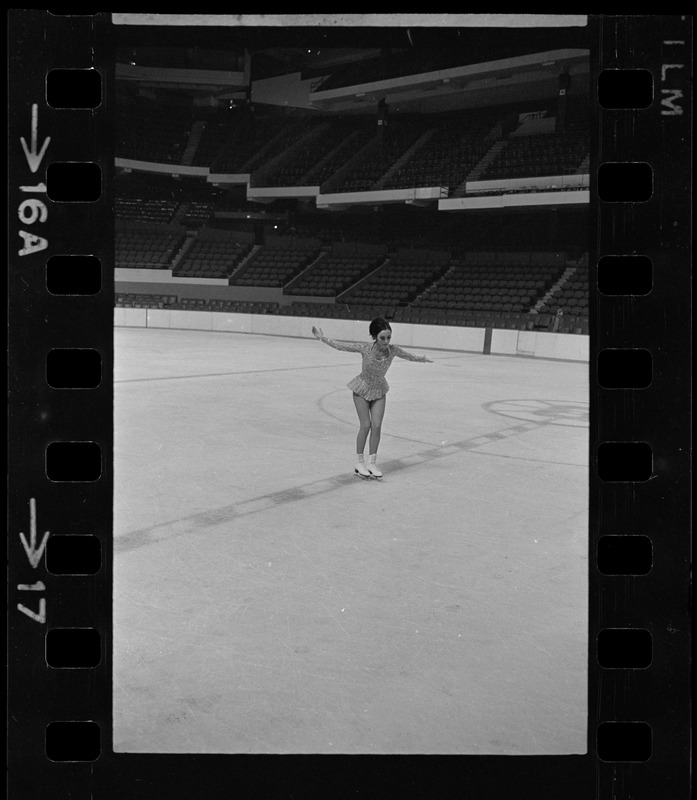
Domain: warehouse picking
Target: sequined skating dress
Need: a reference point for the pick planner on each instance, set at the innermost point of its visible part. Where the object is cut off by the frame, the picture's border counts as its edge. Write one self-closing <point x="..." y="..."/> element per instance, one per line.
<point x="371" y="383"/>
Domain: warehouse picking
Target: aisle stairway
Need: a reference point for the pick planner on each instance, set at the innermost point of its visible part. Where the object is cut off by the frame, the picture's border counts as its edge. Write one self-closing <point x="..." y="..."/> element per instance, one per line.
<point x="555" y="289"/>
<point x="479" y="168"/>
<point x="192" y="144"/>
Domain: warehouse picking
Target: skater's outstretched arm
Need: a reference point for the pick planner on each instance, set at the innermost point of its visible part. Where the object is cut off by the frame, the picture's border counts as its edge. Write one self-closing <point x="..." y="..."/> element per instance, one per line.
<point x="354" y="347"/>
<point x="409" y="356"/>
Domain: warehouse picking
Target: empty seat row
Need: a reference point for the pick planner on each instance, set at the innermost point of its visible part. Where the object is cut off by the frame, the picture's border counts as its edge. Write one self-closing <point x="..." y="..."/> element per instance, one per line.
<point x="511" y="318"/>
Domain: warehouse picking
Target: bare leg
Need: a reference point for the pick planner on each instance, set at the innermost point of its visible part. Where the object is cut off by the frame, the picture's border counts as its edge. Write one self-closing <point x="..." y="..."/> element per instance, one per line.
<point x="363" y="409"/>
<point x="377" y="412"/>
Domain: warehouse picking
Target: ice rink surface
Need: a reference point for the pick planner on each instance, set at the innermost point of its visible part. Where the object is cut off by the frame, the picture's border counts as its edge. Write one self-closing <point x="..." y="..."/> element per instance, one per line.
<point x="266" y="600"/>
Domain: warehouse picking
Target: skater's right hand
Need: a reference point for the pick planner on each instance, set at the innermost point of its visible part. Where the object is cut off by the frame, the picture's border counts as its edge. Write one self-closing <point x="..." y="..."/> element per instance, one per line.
<point x="317" y="332"/>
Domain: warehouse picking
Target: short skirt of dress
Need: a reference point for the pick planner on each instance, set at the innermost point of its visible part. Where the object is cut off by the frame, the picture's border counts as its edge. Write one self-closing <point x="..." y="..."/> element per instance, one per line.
<point x="366" y="391"/>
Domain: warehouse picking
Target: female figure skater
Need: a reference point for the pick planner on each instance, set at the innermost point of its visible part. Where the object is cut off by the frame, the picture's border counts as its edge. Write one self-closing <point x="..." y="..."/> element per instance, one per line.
<point x="370" y="388"/>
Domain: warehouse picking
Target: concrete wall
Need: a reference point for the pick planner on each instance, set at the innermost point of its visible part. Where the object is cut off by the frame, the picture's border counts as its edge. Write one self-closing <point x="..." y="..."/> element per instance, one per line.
<point x="532" y="344"/>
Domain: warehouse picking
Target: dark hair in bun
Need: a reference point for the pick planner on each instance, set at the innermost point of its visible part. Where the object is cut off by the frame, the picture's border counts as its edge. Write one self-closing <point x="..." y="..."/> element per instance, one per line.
<point x="377" y="325"/>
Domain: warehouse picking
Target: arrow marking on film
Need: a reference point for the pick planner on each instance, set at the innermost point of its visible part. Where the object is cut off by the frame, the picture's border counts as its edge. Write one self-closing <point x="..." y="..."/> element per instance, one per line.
<point x="33" y="553"/>
<point x="40" y="617"/>
<point x="34" y="158"/>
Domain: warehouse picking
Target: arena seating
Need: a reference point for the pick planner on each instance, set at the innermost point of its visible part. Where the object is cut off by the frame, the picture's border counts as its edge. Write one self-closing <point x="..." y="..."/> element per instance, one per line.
<point x="402" y="278"/>
<point x="150" y="132"/>
<point x="337" y="270"/>
<point x="496" y="290"/>
<point x="135" y="300"/>
<point x="476" y="283"/>
<point x="231" y="140"/>
<point x="336" y="310"/>
<point x="141" y="209"/>
<point x="340" y="155"/>
<point x="469" y="318"/>
<point x="212" y="256"/>
<point x="360" y="262"/>
<point x="572" y="297"/>
<point x="217" y="133"/>
<point x="446" y="158"/>
<point x="198" y="213"/>
<point x="291" y="171"/>
<point x="276" y="265"/>
<point x="248" y="148"/>
<point x="538" y="155"/>
<point x="394" y="143"/>
<point x="236" y="143"/>
<point x="140" y="248"/>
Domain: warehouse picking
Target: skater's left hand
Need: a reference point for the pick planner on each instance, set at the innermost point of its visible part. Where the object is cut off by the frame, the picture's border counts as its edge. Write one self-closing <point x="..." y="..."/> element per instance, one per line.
<point x="427" y="360"/>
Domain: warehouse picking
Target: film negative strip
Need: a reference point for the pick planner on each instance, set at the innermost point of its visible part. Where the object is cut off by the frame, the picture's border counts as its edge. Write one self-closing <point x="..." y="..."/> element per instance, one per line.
<point x="62" y="295"/>
<point x="638" y="223"/>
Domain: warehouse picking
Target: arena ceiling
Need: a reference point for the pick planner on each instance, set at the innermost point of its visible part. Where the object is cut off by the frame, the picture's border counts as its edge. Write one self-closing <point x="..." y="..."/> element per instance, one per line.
<point x="276" y="51"/>
<point x="317" y="53"/>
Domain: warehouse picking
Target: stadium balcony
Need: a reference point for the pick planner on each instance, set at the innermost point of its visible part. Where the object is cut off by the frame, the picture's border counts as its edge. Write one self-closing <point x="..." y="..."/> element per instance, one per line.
<point x="538" y="155"/>
<point x="134" y="300"/>
<point x="198" y="213"/>
<point x="325" y="168"/>
<point x="394" y="144"/>
<point x="445" y="159"/>
<point x="144" y="210"/>
<point x="217" y="133"/>
<point x="292" y="169"/>
<point x="212" y="257"/>
<point x="147" y="249"/>
<point x="150" y="133"/>
<point x="486" y="314"/>
<point x="572" y="298"/>
<point x="277" y="265"/>
<point x="492" y="282"/>
<point x="403" y="277"/>
<point x="250" y="148"/>
<point x="337" y="271"/>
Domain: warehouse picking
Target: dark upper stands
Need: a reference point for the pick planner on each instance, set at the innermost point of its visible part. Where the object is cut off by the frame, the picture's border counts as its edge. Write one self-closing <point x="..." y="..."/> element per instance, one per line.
<point x="252" y="145"/>
<point x="540" y="154"/>
<point x="402" y="278"/>
<point x="141" y="209"/>
<point x="151" y="248"/>
<point x="388" y="149"/>
<point x="276" y="264"/>
<point x="494" y="282"/>
<point x="335" y="271"/>
<point x="213" y="254"/>
<point x="317" y="159"/>
<point x="445" y="159"/>
<point x="432" y="281"/>
<point x="572" y="296"/>
<point x="151" y="132"/>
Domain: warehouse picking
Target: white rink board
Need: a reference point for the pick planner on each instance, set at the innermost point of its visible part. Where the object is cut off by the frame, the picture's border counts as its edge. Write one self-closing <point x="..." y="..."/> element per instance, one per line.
<point x="504" y="342"/>
<point x="558" y="346"/>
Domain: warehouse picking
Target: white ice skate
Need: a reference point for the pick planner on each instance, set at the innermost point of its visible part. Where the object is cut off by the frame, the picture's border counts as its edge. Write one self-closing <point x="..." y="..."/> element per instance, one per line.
<point x="374" y="471"/>
<point x="360" y="468"/>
